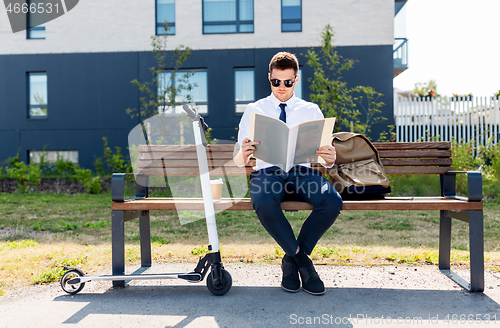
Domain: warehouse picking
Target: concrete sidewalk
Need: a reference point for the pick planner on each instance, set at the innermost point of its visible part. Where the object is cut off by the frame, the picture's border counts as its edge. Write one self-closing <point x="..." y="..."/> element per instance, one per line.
<point x="404" y="296"/>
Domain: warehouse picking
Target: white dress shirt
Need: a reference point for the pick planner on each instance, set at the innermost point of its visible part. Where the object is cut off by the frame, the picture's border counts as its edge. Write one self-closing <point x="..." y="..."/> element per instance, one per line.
<point x="297" y="111"/>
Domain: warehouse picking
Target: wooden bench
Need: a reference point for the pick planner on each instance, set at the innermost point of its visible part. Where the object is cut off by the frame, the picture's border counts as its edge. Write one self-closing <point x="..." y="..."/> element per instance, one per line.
<point x="398" y="158"/>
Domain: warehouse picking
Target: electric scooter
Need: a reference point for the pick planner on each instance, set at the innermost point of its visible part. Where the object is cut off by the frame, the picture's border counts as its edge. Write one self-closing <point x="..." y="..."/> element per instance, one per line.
<point x="219" y="281"/>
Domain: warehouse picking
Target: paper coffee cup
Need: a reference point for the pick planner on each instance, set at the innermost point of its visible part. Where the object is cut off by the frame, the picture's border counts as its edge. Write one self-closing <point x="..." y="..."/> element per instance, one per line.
<point x="216" y="186"/>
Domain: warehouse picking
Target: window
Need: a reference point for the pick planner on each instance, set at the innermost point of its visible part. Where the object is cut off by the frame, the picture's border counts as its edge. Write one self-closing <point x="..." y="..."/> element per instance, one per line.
<point x="37" y="93"/>
<point x="52" y="155"/>
<point x="291" y="15"/>
<point x="244" y="82"/>
<point x="227" y="16"/>
<point x="298" y="85"/>
<point x="198" y="93"/>
<point x="165" y="12"/>
<point x="35" y="22"/>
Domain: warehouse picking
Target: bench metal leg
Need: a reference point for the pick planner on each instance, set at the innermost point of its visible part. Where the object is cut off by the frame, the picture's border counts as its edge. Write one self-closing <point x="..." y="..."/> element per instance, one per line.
<point x="118" y="246"/>
<point x="476" y="245"/>
<point x="444" y="241"/>
<point x="145" y="233"/>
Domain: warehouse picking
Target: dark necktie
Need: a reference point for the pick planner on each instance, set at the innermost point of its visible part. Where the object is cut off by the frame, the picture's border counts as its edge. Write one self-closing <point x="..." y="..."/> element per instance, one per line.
<point x="283" y="113"/>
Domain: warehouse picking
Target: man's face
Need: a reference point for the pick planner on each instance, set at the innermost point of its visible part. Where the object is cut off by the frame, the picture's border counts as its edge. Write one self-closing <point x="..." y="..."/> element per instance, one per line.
<point x="282" y="92"/>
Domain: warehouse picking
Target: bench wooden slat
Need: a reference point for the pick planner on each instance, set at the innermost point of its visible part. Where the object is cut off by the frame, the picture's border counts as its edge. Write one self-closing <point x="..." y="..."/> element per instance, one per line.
<point x="229" y="162"/>
<point x="248" y="169"/>
<point x="388" y="204"/>
<point x="180" y="148"/>
<point x="417" y="170"/>
<point x="194" y="171"/>
<point x="401" y="146"/>
<point x="183" y="163"/>
<point x="416" y="161"/>
<point x="166" y="155"/>
<point x="413" y="153"/>
<point x="412" y="145"/>
<point x="190" y="160"/>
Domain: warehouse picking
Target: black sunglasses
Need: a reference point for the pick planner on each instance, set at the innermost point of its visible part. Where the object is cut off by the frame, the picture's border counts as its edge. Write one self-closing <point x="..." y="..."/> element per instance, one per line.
<point x="276" y="83"/>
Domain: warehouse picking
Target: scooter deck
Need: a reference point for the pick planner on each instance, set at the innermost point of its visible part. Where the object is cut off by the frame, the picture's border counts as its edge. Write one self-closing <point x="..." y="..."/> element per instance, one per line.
<point x="191" y="277"/>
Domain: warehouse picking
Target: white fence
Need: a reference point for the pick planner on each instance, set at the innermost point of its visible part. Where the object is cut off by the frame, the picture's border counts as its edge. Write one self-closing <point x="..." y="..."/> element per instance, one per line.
<point x="474" y="119"/>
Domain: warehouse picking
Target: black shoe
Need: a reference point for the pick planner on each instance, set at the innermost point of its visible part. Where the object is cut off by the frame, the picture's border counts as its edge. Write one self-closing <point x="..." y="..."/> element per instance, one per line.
<point x="290" y="282"/>
<point x="311" y="282"/>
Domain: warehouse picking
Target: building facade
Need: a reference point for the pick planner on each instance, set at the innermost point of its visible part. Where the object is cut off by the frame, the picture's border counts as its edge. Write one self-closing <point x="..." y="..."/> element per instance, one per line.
<point x="66" y="84"/>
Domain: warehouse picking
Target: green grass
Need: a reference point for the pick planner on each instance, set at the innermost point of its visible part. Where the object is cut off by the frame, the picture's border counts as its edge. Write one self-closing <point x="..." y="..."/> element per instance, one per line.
<point x="85" y="219"/>
<point x="48" y="232"/>
<point x="391" y="224"/>
<point x="58" y="216"/>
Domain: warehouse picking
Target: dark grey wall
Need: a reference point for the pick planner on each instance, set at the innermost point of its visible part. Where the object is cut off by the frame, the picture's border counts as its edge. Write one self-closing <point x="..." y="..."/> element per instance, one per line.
<point x="87" y="98"/>
<point x="88" y="94"/>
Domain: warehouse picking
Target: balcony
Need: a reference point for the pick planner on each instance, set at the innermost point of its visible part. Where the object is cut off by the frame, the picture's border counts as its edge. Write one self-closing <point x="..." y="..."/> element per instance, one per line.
<point x="400" y="54"/>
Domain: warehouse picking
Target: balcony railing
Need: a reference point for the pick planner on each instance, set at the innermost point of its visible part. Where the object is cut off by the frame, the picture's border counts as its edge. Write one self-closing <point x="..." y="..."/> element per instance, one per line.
<point x="400" y="54"/>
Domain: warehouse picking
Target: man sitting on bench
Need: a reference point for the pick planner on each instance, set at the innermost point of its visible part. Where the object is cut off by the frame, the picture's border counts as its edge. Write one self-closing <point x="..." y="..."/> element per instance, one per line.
<point x="271" y="185"/>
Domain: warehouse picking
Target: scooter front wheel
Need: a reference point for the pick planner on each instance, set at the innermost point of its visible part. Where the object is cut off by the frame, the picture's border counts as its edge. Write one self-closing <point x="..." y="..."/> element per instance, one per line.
<point x="223" y="286"/>
<point x="72" y="289"/>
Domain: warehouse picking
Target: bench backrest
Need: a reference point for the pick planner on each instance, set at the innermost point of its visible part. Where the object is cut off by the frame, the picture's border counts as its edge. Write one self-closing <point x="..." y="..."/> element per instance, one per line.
<point x="397" y="157"/>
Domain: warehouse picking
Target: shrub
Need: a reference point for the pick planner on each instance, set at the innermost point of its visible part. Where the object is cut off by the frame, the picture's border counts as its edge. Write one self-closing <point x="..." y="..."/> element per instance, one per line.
<point x="65" y="167"/>
<point x="463" y="156"/>
<point x="25" y="175"/>
<point x="49" y="276"/>
<point x="491" y="177"/>
<point x="492" y="156"/>
<point x="83" y="176"/>
<point x="464" y="159"/>
<point x="58" y="271"/>
<point x="99" y="166"/>
<point x="115" y="162"/>
<point x="94" y="186"/>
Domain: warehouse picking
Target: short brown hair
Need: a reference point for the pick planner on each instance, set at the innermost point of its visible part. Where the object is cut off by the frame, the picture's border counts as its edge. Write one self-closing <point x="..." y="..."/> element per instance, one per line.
<point x="283" y="61"/>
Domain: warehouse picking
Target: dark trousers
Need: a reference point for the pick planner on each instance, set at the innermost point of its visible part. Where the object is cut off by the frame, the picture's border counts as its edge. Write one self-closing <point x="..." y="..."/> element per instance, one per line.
<point x="271" y="186"/>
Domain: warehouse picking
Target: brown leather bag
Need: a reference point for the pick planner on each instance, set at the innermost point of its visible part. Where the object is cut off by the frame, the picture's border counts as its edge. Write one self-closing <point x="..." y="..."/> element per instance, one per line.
<point x="358" y="172"/>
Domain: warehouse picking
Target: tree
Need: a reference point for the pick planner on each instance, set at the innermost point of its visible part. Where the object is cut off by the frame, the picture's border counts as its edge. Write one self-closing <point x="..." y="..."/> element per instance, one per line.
<point x="368" y="101"/>
<point x="333" y="95"/>
<point x="329" y="91"/>
<point x="167" y="90"/>
<point x="163" y="94"/>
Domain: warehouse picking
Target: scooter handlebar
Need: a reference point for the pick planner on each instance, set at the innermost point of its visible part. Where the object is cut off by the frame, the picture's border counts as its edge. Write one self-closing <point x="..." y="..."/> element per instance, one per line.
<point x="193" y="114"/>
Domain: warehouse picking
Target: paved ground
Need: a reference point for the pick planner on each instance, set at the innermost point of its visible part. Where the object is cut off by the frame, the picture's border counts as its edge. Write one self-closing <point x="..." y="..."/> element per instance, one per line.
<point x="355" y="297"/>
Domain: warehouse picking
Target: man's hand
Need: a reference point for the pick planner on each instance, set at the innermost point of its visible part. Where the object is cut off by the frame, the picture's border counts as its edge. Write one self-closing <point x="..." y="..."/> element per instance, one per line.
<point x="327" y="153"/>
<point x="247" y="149"/>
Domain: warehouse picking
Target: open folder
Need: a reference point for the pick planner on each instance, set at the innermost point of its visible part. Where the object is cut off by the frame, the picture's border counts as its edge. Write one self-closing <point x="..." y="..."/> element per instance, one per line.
<point x="286" y="146"/>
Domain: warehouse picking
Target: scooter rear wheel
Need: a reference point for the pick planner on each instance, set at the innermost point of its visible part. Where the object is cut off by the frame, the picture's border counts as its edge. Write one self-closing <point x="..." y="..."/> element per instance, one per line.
<point x="72" y="289"/>
<point x="221" y="288"/>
